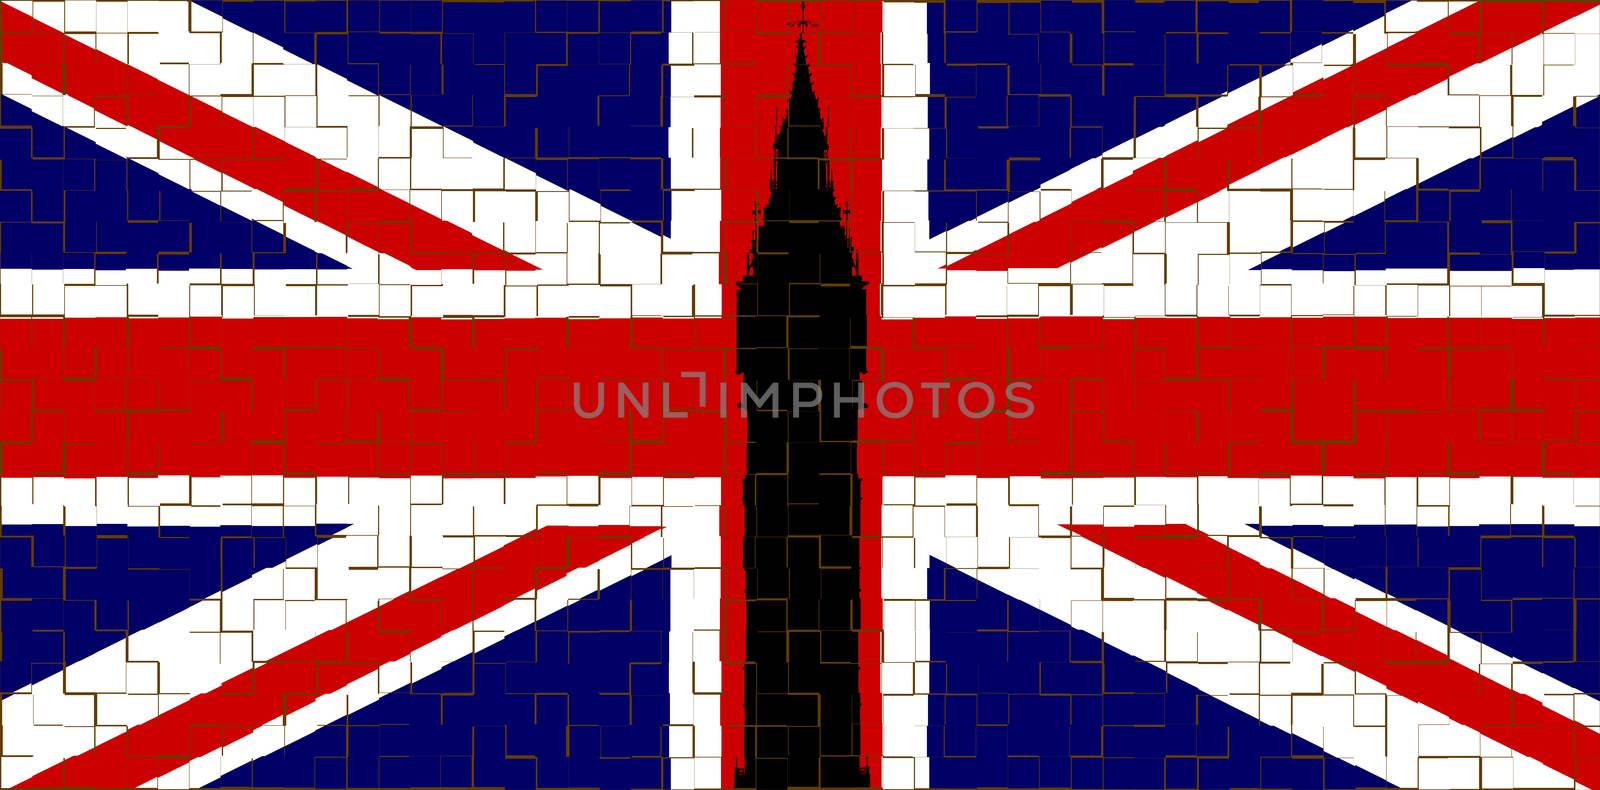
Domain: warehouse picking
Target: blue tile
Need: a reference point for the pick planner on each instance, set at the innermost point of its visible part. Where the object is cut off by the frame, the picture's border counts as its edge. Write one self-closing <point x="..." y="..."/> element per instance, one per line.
<point x="67" y="203"/>
<point x="574" y="90"/>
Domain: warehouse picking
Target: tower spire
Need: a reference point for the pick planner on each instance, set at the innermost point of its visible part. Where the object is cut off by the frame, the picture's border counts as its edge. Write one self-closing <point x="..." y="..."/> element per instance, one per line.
<point x="802" y="176"/>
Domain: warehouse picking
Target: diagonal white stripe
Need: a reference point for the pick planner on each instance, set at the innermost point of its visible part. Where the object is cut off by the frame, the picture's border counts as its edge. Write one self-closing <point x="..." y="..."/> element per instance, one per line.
<point x="404" y="533"/>
<point x="583" y="250"/>
<point x="179" y="168"/>
<point x="1003" y="532"/>
<point x="1373" y="603"/>
<point x="1198" y="262"/>
<point x="694" y="708"/>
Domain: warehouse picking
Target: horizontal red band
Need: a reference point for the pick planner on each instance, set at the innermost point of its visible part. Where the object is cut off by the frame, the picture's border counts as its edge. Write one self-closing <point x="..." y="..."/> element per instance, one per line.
<point x="360" y="397"/>
<point x="491" y="398"/>
<point x="1250" y="397"/>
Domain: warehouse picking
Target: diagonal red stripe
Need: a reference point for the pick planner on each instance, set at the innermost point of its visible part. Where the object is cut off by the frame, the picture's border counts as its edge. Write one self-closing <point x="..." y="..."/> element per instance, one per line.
<point x="1166" y="186"/>
<point x="303" y="182"/>
<point x="1338" y="632"/>
<point x="336" y="658"/>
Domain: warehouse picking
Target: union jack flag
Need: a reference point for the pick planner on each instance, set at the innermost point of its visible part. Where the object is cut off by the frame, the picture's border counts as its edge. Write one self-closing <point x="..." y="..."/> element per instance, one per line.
<point x="297" y="298"/>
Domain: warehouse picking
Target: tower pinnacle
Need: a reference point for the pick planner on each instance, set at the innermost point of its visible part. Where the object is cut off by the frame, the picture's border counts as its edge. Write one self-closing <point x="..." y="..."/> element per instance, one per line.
<point x="802" y="181"/>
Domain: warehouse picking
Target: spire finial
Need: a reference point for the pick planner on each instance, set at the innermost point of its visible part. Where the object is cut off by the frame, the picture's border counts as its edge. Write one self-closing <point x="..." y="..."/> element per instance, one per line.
<point x="803" y="23"/>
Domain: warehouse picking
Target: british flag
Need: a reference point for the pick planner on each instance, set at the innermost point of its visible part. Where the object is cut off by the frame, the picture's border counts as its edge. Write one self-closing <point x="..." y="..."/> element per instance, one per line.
<point x="301" y="302"/>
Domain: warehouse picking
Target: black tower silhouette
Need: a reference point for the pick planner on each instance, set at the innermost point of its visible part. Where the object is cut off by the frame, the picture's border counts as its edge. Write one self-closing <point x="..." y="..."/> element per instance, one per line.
<point x="802" y="319"/>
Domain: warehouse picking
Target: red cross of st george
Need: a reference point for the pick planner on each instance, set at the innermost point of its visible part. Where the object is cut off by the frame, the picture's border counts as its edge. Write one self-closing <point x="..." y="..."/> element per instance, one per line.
<point x="1253" y="397"/>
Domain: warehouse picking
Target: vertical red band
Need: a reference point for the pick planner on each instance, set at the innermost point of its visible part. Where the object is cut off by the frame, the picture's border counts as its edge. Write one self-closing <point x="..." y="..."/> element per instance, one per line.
<point x="757" y="58"/>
